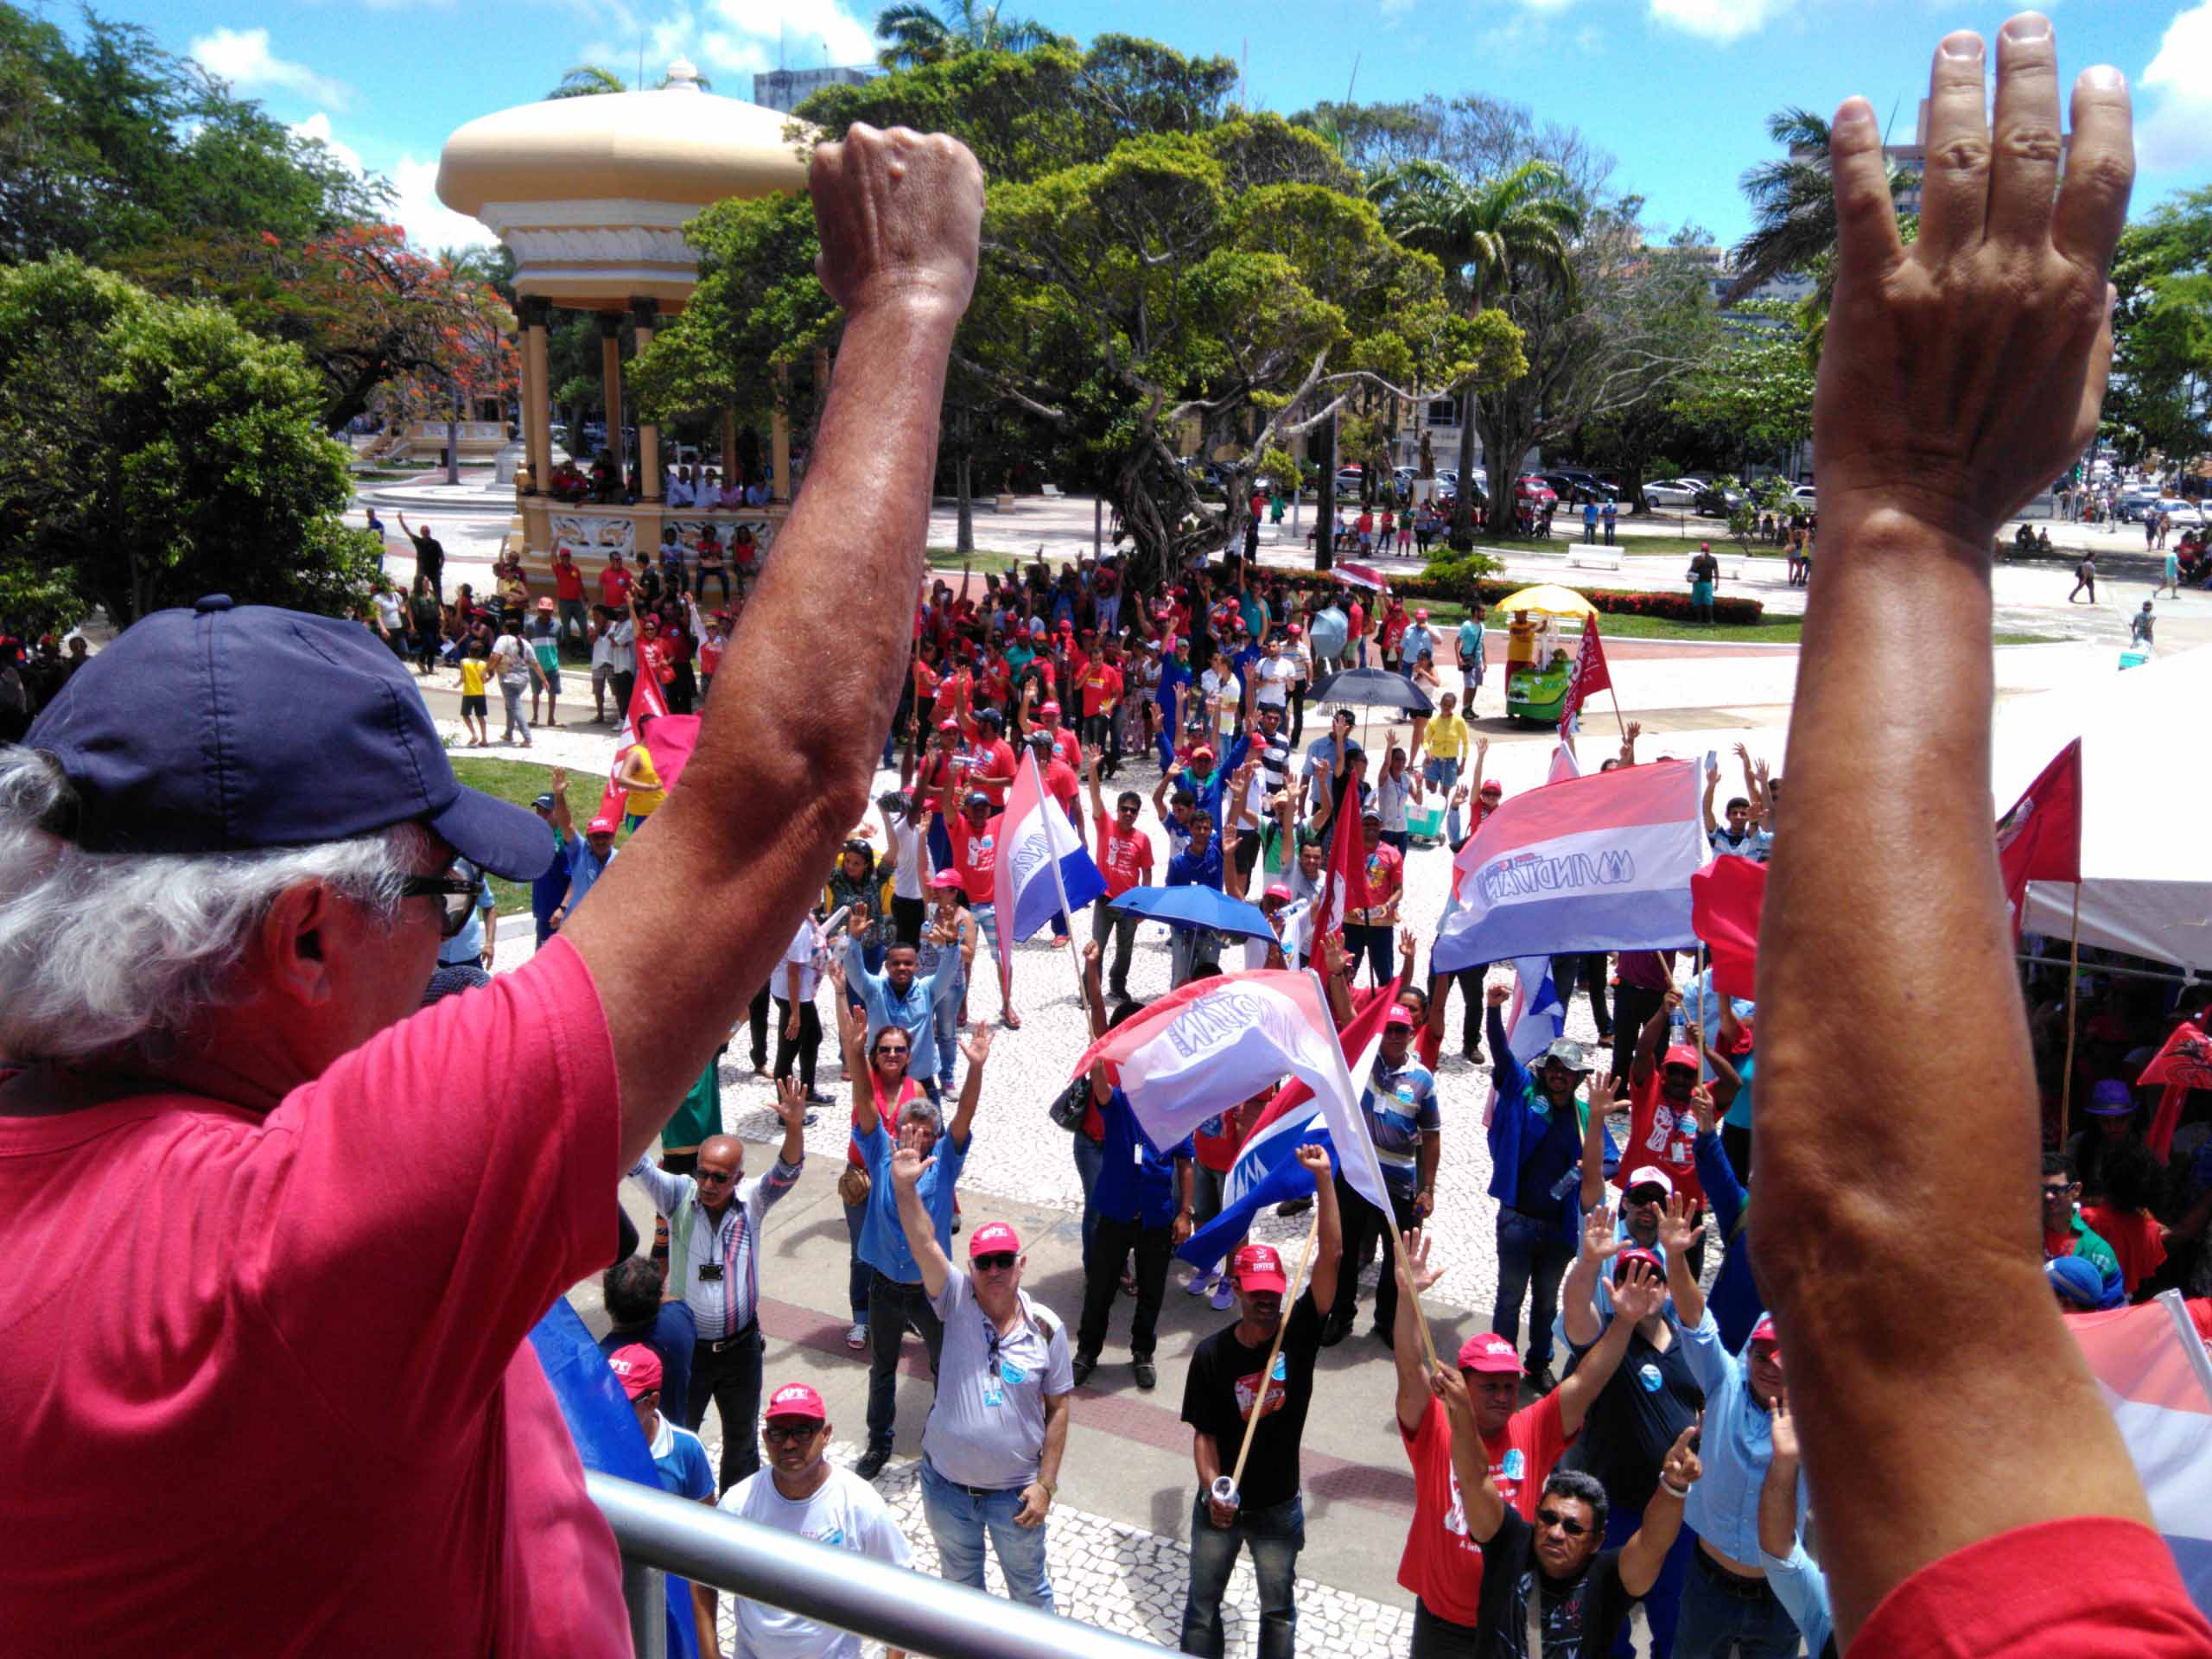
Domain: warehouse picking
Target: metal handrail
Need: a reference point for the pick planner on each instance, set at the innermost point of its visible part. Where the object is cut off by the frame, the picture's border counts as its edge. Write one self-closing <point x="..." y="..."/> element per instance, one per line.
<point x="835" y="1586"/>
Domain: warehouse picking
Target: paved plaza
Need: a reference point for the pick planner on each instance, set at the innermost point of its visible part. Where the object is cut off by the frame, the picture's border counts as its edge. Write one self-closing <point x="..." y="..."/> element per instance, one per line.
<point x="1119" y="1536"/>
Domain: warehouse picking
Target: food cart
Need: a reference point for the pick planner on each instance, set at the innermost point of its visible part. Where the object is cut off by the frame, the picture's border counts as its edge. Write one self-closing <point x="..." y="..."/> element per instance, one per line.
<point x="1541" y="650"/>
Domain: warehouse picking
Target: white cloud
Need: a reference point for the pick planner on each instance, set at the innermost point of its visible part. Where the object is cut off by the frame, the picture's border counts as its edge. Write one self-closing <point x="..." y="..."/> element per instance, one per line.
<point x="1719" y="21"/>
<point x="2175" y="132"/>
<point x="747" y="38"/>
<point x="242" y="57"/>
<point x="317" y="127"/>
<point x="431" y="224"/>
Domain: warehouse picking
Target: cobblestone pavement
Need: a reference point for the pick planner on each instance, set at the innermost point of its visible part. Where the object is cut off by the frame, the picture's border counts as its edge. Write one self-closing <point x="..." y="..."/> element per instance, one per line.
<point x="1130" y="1580"/>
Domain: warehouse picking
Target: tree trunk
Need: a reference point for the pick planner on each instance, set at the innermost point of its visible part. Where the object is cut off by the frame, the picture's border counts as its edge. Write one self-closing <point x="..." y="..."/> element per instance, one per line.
<point x="1463" y="515"/>
<point x="1632" y="487"/>
<point x="1325" y="508"/>
<point x="1504" y="441"/>
<point x="964" y="541"/>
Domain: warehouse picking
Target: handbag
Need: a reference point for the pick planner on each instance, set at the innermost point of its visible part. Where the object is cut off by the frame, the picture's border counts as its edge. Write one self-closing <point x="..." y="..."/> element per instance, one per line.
<point x="1071" y="1105"/>
<point x="853" y="1186"/>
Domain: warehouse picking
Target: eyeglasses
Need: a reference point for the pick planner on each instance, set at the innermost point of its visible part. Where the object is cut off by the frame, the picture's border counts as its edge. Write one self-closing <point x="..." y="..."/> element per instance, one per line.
<point x="996" y="1262"/>
<point x="1646" y="1194"/>
<point x="795" y="1434"/>
<point x="1567" y="1524"/>
<point x="456" y="894"/>
<point x="890" y="1052"/>
<point x="703" y="1175"/>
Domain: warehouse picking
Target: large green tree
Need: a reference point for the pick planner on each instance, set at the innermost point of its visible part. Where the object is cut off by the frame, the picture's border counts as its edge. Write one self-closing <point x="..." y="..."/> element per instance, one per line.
<point x="152" y="450"/>
<point x="113" y="143"/>
<point x="2161" y="392"/>
<point x="1792" y="198"/>
<point x="1755" y="386"/>
<point x="917" y="33"/>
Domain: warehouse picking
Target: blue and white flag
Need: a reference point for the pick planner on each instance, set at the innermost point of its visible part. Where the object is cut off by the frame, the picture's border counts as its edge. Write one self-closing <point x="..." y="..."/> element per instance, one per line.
<point x="1534" y="1020"/>
<point x="1042" y="867"/>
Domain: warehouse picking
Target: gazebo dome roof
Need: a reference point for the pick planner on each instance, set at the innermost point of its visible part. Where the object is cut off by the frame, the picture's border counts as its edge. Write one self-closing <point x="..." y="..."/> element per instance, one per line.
<point x="591" y="194"/>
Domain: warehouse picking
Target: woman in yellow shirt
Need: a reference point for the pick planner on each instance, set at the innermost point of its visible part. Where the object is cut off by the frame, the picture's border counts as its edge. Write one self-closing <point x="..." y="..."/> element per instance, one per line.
<point x="635" y="774"/>
<point x="475" y="671"/>
<point x="1446" y="739"/>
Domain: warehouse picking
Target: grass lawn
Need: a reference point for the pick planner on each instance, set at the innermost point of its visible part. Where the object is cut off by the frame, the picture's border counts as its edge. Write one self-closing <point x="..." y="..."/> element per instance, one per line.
<point x="521" y="781"/>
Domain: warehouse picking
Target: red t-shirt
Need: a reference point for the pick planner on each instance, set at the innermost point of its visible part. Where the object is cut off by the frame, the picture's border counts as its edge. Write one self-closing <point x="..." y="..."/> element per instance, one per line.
<point x="1066" y="745"/>
<point x="615" y="585"/>
<point x="1124" y="859"/>
<point x="991" y="767"/>
<point x="1657" y="1136"/>
<point x="924" y="681"/>
<point x="1441" y="1564"/>
<point x="1386" y="877"/>
<point x="568" y="581"/>
<point x="2134" y="1239"/>
<point x="2016" y="1597"/>
<point x="655" y="656"/>
<point x="1101" y="685"/>
<point x="231" y="1308"/>
<point x="1217" y="1152"/>
<point x="975" y="856"/>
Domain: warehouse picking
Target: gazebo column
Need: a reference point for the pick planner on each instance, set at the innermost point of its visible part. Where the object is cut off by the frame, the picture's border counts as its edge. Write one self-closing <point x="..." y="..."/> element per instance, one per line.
<point x="644" y="312"/>
<point x="779" y="438"/>
<point x="610" y="379"/>
<point x="536" y="417"/>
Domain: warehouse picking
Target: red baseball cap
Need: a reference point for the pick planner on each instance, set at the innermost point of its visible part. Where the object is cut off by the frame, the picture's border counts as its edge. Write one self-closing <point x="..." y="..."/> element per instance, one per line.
<point x="1048" y="708"/>
<point x="1765" y="1331"/>
<point x="1489" y="1355"/>
<point x="945" y="879"/>
<point x="1637" y="1253"/>
<point x="637" y="1367"/>
<point x="602" y="827"/>
<point x="796" y="1400"/>
<point x="1680" y="1054"/>
<point x="948" y="725"/>
<point x="1257" y="1266"/>
<point x="993" y="1235"/>
<point x="1278" y="890"/>
<point x="1398" y="1015"/>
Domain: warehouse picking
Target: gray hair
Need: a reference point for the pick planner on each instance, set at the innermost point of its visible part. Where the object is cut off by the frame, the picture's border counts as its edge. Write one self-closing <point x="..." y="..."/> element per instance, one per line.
<point x="117" y="954"/>
<point x="922" y="1107"/>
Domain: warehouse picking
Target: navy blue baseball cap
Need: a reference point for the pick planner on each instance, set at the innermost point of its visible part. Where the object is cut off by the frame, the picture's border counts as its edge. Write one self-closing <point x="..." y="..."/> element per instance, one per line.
<point x="229" y="728"/>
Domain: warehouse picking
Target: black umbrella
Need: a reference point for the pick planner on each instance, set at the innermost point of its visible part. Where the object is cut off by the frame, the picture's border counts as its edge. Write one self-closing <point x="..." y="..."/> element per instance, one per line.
<point x="1373" y="687"/>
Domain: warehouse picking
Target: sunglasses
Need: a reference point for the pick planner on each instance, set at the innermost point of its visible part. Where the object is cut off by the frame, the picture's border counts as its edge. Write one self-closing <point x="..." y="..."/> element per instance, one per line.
<point x="1646" y="1194"/>
<point x="718" y="1176"/>
<point x="1567" y="1524"/>
<point x="996" y="1262"/>
<point x="456" y="895"/>
<point x="890" y="1052"/>
<point x="796" y="1434"/>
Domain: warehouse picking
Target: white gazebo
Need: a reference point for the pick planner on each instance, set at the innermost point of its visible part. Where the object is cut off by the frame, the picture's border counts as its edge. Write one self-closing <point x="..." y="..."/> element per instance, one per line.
<point x="591" y="195"/>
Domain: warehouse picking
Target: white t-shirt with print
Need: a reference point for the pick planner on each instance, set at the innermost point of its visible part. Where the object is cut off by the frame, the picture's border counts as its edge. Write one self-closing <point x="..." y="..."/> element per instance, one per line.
<point x="846" y="1513"/>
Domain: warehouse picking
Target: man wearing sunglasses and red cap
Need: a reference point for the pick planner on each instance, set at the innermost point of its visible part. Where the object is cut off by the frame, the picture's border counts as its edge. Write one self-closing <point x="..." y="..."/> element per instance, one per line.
<point x="999" y="1426"/>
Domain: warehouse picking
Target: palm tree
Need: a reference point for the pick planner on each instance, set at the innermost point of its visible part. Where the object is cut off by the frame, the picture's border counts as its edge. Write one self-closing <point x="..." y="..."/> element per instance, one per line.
<point x="588" y="80"/>
<point x="919" y="35"/>
<point x="1492" y="236"/>
<point x="1793" y="205"/>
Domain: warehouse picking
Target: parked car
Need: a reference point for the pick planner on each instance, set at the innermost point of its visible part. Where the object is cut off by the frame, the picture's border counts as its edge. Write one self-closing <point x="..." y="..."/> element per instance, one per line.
<point x="1579" y="484"/>
<point x="2186" y="513"/>
<point x="1672" y="492"/>
<point x="1714" y="502"/>
<point x="1804" y="493"/>
<point x="1534" y="489"/>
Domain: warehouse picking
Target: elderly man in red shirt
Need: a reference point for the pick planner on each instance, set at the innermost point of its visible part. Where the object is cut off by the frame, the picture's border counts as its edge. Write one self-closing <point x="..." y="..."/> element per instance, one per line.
<point x="290" y="1233"/>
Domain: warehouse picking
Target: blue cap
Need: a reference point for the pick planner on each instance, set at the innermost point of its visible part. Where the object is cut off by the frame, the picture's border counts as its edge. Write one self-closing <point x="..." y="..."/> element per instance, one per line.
<point x="2076" y="1280"/>
<point x="224" y="728"/>
<point x="2111" y="1098"/>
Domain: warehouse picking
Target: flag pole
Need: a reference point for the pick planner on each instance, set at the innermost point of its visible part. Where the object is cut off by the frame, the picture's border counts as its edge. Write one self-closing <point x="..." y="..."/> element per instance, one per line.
<point x="1046" y="803"/>
<point x="1421" y="1314"/>
<point x="2073" y="979"/>
<point x="1267" y="1371"/>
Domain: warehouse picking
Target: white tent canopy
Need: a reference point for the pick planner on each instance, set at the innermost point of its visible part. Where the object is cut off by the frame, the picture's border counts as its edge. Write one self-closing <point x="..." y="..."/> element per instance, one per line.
<point x="2146" y="800"/>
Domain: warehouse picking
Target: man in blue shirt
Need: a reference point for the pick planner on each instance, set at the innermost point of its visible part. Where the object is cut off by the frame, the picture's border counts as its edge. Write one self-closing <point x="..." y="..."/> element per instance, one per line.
<point x="680" y="1459"/>
<point x="1402" y="1120"/>
<point x="1535" y="1144"/>
<point x="902" y="997"/>
<point x="1143" y="1197"/>
<point x="587" y="854"/>
<point x="546" y="892"/>
<point x="1198" y="865"/>
<point x="1589" y="521"/>
<point x="1725" y="1598"/>
<point x="897" y="1296"/>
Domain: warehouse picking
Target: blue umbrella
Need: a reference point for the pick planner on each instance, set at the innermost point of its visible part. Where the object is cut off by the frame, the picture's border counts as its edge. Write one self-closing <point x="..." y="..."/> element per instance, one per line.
<point x="1196" y="906"/>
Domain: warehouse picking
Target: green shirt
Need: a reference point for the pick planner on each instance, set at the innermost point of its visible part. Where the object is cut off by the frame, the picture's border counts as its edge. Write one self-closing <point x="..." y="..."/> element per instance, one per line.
<point x="701" y="1114"/>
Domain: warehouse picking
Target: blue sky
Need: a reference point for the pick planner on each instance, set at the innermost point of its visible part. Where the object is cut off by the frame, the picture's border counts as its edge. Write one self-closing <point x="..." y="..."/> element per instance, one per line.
<point x="1675" y="89"/>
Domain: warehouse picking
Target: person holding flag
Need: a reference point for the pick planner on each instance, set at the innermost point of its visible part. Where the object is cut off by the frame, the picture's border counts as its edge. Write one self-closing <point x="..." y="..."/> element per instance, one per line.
<point x="1399" y="1102"/>
<point x="1249" y="1387"/>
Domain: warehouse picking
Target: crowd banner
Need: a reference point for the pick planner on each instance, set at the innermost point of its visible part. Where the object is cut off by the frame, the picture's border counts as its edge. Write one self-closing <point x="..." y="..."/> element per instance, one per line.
<point x="1600" y="862"/>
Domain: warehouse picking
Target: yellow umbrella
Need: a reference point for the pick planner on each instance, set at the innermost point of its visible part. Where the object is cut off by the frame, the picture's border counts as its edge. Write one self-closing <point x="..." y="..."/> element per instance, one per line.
<point x="1548" y="596"/>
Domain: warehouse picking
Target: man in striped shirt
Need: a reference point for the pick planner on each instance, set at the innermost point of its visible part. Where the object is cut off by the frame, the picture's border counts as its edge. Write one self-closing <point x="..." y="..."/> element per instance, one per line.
<point x="714" y="1261"/>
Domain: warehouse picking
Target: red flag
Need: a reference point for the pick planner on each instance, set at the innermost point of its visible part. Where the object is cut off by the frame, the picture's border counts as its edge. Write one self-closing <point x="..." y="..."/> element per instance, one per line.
<point x="1344" y="885"/>
<point x="1590" y="675"/>
<point x="647" y="702"/>
<point x="1726" y="898"/>
<point x="2185" y="1063"/>
<point x="2040" y="839"/>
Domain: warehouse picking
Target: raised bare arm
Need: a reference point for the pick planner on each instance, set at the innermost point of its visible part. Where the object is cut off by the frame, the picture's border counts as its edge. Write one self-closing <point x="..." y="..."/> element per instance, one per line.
<point x="1959" y="377"/>
<point x="729" y="860"/>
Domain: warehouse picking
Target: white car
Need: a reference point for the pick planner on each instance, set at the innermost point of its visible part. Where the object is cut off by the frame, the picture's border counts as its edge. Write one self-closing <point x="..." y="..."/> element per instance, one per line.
<point x="1804" y="493"/>
<point x="1672" y="492"/>
<point x="2186" y="513"/>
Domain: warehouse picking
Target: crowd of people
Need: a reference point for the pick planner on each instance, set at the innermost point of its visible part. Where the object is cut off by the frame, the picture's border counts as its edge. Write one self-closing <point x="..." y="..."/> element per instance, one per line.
<point x="286" y="1213"/>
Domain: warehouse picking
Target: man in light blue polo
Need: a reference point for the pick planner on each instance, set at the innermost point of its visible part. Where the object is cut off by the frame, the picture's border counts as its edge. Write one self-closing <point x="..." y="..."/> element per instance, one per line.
<point x="902" y="997"/>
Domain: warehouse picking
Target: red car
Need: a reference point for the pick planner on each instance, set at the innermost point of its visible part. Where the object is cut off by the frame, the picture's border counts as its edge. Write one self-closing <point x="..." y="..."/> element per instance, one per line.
<point x="1532" y="489"/>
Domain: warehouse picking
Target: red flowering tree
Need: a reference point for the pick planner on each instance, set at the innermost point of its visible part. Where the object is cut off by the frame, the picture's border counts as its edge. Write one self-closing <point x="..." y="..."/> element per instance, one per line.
<point x="389" y="330"/>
